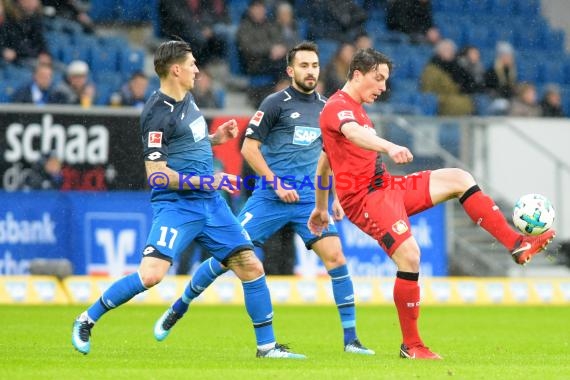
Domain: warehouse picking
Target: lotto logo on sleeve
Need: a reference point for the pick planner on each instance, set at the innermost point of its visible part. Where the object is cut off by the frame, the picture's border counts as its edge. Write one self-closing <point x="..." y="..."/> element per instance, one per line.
<point x="155" y="140"/>
<point x="256" y="119"/>
<point x="345" y="115"/>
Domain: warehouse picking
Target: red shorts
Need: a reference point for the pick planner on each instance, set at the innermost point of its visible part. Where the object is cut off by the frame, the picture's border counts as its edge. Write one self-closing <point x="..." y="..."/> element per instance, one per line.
<point x="384" y="214"/>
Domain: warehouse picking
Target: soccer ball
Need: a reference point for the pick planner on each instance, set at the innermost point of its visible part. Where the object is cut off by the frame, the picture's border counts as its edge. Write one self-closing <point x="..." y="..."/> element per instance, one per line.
<point x="533" y="214"/>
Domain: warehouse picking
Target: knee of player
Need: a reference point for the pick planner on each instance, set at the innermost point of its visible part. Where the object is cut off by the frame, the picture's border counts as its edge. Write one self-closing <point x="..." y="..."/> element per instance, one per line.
<point x="150" y="278"/>
<point x="463" y="180"/>
<point x="333" y="259"/>
<point x="407" y="260"/>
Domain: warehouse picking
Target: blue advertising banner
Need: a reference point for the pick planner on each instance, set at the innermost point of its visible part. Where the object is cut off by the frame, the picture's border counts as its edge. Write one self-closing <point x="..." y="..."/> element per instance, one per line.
<point x="105" y="232"/>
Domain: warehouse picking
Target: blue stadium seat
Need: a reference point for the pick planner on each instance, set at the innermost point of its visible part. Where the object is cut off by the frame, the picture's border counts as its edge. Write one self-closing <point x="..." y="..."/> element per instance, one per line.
<point x="503" y="32"/>
<point x="554" y="41"/>
<point x="237" y="9"/>
<point x="131" y="61"/>
<point x="134" y="10"/>
<point x="502" y="8"/>
<point x="104" y="59"/>
<point x="477" y="7"/>
<point x="103" y="93"/>
<point x="56" y="41"/>
<point x="482" y="103"/>
<point x="154" y="17"/>
<point x="104" y="10"/>
<point x="480" y="36"/>
<point x="374" y="27"/>
<point x="234" y="59"/>
<point x="453" y="31"/>
<point x="75" y="52"/>
<point x="327" y="49"/>
<point x="153" y="84"/>
<point x="450" y="138"/>
<point x="553" y="71"/>
<point x="526" y="38"/>
<point x="8" y="87"/>
<point x="527" y="8"/>
<point x="450" y="6"/>
<point x="528" y="71"/>
<point x="112" y="78"/>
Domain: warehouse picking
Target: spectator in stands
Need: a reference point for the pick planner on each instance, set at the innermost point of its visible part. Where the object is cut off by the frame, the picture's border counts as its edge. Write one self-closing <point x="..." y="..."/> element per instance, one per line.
<point x="525" y="103"/>
<point x="363" y="41"/>
<point x="444" y="77"/>
<point x="45" y="174"/>
<point x="73" y="10"/>
<point x="336" y="71"/>
<point x="261" y="50"/>
<point x="341" y="20"/>
<point x="470" y="60"/>
<point x="413" y="17"/>
<point x="287" y="25"/>
<point x="204" y="91"/>
<point x="22" y="33"/>
<point x="193" y="21"/>
<point x="76" y="88"/>
<point x="133" y="93"/>
<point x="501" y="79"/>
<point x="39" y="91"/>
<point x="551" y="103"/>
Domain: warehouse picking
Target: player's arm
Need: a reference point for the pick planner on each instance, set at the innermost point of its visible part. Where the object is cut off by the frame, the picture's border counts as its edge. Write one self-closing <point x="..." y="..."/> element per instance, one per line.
<point x="319" y="219"/>
<point x="251" y="151"/>
<point x="224" y="132"/>
<point x="363" y="138"/>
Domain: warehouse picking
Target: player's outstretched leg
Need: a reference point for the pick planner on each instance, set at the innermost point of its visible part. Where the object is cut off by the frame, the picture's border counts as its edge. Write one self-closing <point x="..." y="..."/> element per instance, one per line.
<point x="117" y="294"/>
<point x="330" y="251"/>
<point x="343" y="291"/>
<point x="483" y="211"/>
<point x="205" y="275"/>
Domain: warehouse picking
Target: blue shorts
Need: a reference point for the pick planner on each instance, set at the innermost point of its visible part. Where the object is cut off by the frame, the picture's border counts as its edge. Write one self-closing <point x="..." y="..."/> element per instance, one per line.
<point x="210" y="222"/>
<point x="263" y="217"/>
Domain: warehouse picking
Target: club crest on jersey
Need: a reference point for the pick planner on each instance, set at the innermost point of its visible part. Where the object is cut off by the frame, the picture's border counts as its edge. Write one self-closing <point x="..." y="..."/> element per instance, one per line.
<point x="256" y="119"/>
<point x="305" y="135"/>
<point x="400" y="227"/>
<point x="345" y="115"/>
<point x="155" y="140"/>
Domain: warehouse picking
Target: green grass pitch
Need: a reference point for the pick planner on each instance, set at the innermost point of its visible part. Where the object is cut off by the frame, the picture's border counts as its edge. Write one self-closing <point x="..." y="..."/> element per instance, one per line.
<point x="217" y="342"/>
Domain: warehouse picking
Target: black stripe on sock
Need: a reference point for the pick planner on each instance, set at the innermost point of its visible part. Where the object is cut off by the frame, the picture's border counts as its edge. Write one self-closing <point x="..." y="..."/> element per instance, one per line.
<point x="103" y="304"/>
<point x="472" y="190"/>
<point x="263" y="324"/>
<point x="408" y="276"/>
<point x="346" y="305"/>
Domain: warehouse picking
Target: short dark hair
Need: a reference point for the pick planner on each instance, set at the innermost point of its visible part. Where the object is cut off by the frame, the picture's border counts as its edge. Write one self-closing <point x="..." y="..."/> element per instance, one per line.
<point x="169" y="53"/>
<point x="366" y="60"/>
<point x="303" y="46"/>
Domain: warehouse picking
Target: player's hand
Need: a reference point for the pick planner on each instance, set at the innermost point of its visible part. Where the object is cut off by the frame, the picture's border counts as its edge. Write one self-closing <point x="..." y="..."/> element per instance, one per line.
<point x="287" y="195"/>
<point x="337" y="211"/>
<point x="400" y="154"/>
<point x="226" y="182"/>
<point x="318" y="221"/>
<point x="225" y="132"/>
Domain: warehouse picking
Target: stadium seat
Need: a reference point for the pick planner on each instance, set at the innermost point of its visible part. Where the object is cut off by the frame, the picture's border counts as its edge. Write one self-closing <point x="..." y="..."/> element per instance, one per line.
<point x="503" y="8"/>
<point x="450" y="6"/>
<point x="450" y="138"/>
<point x="104" y="10"/>
<point x="453" y="31"/>
<point x="480" y="36"/>
<point x="554" y="41"/>
<point x="134" y="10"/>
<point x="112" y="78"/>
<point x="427" y="103"/>
<point x="553" y="71"/>
<point x="8" y="87"/>
<point x="56" y="41"/>
<point x="477" y="7"/>
<point x="131" y="61"/>
<point x="482" y="103"/>
<point x="527" y="8"/>
<point x="237" y="9"/>
<point x="104" y="59"/>
<point x="327" y="49"/>
<point x="528" y="71"/>
<point x="103" y="93"/>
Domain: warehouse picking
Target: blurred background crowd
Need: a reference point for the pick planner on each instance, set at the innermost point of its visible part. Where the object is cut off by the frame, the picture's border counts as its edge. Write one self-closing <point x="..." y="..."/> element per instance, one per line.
<point x="473" y="57"/>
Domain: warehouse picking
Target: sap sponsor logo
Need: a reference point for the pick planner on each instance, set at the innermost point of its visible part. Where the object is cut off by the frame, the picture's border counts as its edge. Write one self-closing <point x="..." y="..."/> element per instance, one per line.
<point x="467" y="291"/>
<point x="280" y="291"/>
<point x="76" y="144"/>
<point x="305" y="135"/>
<point x="11" y="266"/>
<point x="496" y="292"/>
<point x="519" y="290"/>
<point x="155" y="140"/>
<point x="27" y="231"/>
<point x="307" y="290"/>
<point x="17" y="290"/>
<point x="545" y="291"/>
<point x="80" y="290"/>
<point x="441" y="291"/>
<point x="256" y="118"/>
<point x="45" y="290"/>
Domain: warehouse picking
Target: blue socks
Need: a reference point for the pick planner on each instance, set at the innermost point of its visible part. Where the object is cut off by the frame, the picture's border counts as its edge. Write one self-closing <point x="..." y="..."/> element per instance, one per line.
<point x="118" y="293"/>
<point x="343" y="292"/>
<point x="206" y="273"/>
<point x="259" y="308"/>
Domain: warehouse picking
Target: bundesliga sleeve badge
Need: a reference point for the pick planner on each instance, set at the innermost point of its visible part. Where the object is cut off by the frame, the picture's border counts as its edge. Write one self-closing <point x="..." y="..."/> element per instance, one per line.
<point x="256" y="119"/>
<point x="155" y="140"/>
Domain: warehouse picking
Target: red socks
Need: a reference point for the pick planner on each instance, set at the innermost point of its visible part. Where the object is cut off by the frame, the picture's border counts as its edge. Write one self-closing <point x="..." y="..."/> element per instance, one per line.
<point x="483" y="211"/>
<point x="407" y="300"/>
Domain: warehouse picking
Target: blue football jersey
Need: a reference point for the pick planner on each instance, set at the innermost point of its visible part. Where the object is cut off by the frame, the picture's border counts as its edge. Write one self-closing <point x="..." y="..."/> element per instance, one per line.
<point x="287" y="125"/>
<point x="176" y="132"/>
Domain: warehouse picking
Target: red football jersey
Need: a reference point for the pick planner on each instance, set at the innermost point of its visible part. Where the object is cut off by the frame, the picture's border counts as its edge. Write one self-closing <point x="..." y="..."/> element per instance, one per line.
<point x="357" y="171"/>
